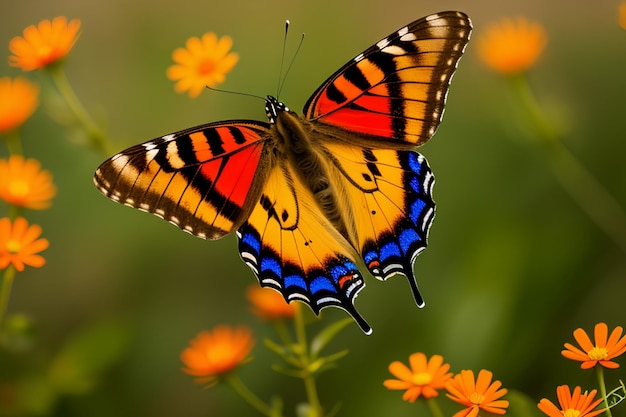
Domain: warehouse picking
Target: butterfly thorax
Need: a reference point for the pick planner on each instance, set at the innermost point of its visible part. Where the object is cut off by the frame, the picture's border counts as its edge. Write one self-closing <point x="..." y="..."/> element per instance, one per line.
<point x="301" y="153"/>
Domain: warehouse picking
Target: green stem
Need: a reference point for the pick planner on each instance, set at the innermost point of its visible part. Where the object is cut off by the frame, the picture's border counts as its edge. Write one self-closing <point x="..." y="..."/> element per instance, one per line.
<point x="244" y="392"/>
<point x="14" y="143"/>
<point x="307" y="376"/>
<point x="96" y="136"/>
<point x="595" y="200"/>
<point x="5" y="291"/>
<point x="312" y="395"/>
<point x="280" y="326"/>
<point x="434" y="407"/>
<point x="602" y="386"/>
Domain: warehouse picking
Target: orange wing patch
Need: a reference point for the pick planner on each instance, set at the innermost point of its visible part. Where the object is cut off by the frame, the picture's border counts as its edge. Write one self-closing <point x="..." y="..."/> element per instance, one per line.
<point x="198" y="180"/>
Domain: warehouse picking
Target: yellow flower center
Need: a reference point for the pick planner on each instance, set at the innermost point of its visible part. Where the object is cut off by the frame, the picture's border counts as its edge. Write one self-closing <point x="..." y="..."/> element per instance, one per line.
<point x="570" y="412"/>
<point x="44" y="51"/>
<point x="19" y="189"/>
<point x="13" y="246"/>
<point x="206" y="67"/>
<point x="422" y="378"/>
<point x="477" y="398"/>
<point x="598" y="353"/>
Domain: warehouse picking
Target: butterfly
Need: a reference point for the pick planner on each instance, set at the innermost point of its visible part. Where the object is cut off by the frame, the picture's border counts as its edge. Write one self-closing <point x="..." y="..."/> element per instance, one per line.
<point x="316" y="199"/>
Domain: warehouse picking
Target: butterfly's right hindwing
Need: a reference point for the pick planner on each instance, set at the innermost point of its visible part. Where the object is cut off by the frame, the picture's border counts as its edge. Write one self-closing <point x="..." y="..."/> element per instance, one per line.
<point x="200" y="179"/>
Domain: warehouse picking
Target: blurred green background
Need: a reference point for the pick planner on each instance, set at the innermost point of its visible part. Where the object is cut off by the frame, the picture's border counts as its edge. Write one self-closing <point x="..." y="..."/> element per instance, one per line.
<point x="513" y="264"/>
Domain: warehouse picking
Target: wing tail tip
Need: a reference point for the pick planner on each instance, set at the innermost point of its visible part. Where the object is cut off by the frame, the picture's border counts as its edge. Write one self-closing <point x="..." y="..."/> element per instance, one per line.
<point x="360" y="321"/>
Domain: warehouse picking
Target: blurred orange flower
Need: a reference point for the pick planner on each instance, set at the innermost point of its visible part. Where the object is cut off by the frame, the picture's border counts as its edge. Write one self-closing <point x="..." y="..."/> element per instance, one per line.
<point x="269" y="304"/>
<point x="575" y="405"/>
<point x="204" y="62"/>
<point x="215" y="353"/>
<point x="20" y="243"/>
<point x="18" y="101"/>
<point x="512" y="46"/>
<point x="476" y="395"/>
<point x="602" y="351"/>
<point x="621" y="15"/>
<point x="24" y="184"/>
<point x="424" y="378"/>
<point x="44" y="44"/>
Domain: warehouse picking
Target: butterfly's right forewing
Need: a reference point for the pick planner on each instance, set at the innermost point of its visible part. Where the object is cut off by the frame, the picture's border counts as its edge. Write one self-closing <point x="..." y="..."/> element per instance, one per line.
<point x="396" y="89"/>
<point x="202" y="180"/>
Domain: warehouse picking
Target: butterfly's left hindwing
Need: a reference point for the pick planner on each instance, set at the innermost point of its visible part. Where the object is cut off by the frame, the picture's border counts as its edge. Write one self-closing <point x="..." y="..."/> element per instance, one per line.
<point x="199" y="180"/>
<point x="292" y="247"/>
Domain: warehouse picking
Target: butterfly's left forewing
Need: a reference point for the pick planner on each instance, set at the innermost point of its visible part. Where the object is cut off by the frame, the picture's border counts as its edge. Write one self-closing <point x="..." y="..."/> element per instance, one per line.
<point x="201" y="179"/>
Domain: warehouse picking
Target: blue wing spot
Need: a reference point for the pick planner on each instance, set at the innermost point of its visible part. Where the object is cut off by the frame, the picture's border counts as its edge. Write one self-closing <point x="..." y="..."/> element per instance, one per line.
<point x="389" y="250"/>
<point x="414" y="163"/>
<point x="272" y="265"/>
<point x="370" y="256"/>
<point x="295" y="281"/>
<point x="417" y="210"/>
<point x="415" y="184"/>
<point x="407" y="238"/>
<point x="322" y="283"/>
<point x="252" y="241"/>
<point x="339" y="271"/>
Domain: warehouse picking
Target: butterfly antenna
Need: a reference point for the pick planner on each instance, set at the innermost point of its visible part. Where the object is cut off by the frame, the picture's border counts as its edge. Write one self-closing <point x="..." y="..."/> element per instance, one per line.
<point x="282" y="78"/>
<point x="239" y="93"/>
<point x="282" y="58"/>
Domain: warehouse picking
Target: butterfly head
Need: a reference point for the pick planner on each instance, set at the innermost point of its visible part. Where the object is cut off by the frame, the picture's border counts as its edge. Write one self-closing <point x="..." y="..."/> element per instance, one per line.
<point x="273" y="107"/>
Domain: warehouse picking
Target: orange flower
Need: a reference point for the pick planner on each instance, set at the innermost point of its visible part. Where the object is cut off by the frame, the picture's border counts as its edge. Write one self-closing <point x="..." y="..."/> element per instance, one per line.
<point x="18" y="100"/>
<point x="269" y="304"/>
<point x="23" y="183"/>
<point x="601" y="352"/>
<point x="424" y="377"/>
<point x="45" y="44"/>
<point x="204" y="62"/>
<point x="212" y="354"/>
<point x="621" y="15"/>
<point x="477" y="395"/>
<point x="20" y="243"/>
<point x="512" y="46"/>
<point x="572" y="405"/>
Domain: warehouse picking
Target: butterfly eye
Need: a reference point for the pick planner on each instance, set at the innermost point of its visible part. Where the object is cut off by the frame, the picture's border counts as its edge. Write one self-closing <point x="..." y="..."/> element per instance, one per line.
<point x="273" y="107"/>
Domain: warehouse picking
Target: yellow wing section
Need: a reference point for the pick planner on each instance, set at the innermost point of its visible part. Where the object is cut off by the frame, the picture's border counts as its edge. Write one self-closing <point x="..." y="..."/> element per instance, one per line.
<point x="292" y="247"/>
<point x="390" y="193"/>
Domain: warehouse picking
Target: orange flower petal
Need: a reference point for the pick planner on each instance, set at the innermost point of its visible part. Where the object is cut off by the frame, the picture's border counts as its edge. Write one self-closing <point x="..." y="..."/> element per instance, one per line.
<point x="422" y="378"/>
<point x="601" y="352"/>
<point x="512" y="45"/>
<point x="20" y="244"/>
<point x="44" y="44"/>
<point x="269" y="304"/>
<point x="212" y="354"/>
<point x="477" y="394"/>
<point x="24" y="184"/>
<point x="18" y="101"/>
<point x="571" y="403"/>
<point x="203" y="62"/>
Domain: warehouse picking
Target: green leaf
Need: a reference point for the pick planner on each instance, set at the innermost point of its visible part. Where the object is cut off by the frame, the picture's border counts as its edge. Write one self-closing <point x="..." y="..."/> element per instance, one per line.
<point x="521" y="405"/>
<point x="87" y="354"/>
<point x="326" y="335"/>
